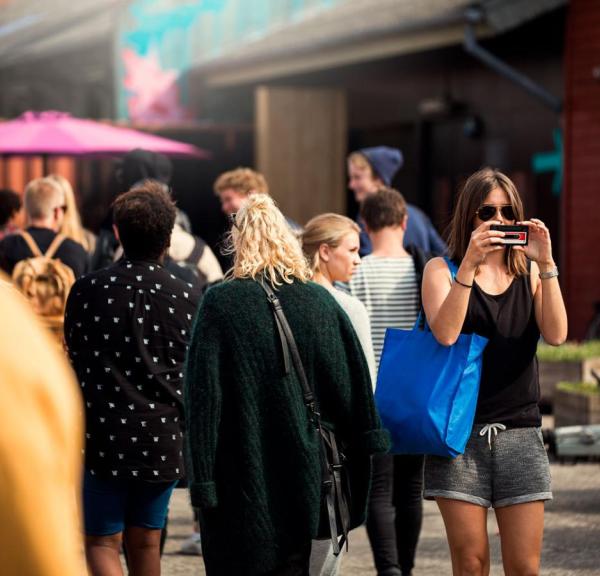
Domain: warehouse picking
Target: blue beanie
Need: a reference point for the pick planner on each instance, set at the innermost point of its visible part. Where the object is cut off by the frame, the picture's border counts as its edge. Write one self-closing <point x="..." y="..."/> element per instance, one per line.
<point x="384" y="160"/>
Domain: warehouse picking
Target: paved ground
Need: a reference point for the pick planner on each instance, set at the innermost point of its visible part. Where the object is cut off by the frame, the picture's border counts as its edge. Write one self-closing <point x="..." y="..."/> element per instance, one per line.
<point x="571" y="544"/>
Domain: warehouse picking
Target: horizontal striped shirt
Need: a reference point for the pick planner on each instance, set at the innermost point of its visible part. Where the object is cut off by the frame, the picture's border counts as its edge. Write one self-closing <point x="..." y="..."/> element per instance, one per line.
<point x="389" y="290"/>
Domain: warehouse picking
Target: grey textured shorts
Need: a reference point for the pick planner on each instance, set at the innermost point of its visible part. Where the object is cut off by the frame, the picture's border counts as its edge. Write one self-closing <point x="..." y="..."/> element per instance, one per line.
<point x="499" y="468"/>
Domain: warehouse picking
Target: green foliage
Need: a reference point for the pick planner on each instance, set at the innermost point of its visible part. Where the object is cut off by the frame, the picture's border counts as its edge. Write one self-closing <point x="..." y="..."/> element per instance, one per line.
<point x="590" y="388"/>
<point x="569" y="352"/>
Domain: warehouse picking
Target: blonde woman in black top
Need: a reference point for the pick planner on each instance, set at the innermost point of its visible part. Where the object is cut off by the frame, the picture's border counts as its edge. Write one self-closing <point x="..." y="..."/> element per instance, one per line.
<point x="511" y="296"/>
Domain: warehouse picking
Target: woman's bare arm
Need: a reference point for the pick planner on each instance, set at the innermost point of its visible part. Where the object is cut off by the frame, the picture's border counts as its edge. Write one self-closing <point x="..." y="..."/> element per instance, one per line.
<point x="445" y="302"/>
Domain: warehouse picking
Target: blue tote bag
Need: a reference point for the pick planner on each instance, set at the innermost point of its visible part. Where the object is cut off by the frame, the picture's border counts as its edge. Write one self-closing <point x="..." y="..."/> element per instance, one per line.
<point x="427" y="393"/>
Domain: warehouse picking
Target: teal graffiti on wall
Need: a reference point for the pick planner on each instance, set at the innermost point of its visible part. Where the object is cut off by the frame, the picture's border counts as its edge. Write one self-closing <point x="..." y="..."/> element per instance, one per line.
<point x="152" y="55"/>
<point x="159" y="41"/>
<point x="552" y="162"/>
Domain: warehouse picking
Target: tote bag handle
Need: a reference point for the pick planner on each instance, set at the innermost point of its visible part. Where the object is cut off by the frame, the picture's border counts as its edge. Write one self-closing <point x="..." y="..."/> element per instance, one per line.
<point x="421" y="321"/>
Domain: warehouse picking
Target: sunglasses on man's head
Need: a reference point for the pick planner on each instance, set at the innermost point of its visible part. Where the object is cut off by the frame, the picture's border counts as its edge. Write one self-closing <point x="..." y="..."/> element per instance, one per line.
<point x="488" y="211"/>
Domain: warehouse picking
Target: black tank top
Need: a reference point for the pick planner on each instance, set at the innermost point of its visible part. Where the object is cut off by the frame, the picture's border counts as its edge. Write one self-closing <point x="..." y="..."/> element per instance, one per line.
<point x="509" y="390"/>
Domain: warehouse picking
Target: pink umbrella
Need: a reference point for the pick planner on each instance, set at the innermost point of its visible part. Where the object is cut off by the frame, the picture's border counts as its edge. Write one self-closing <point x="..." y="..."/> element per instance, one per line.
<point x="58" y="133"/>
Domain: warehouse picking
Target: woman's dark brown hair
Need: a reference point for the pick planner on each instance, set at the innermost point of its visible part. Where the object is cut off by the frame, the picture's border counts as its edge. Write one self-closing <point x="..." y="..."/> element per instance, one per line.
<point x="473" y="195"/>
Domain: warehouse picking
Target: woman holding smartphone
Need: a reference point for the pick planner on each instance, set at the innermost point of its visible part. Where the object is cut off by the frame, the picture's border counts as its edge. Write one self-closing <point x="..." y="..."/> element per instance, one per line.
<point x="510" y="295"/>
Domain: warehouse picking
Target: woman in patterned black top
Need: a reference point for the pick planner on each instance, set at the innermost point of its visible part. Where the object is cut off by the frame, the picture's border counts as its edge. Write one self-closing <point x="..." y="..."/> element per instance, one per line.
<point x="127" y="328"/>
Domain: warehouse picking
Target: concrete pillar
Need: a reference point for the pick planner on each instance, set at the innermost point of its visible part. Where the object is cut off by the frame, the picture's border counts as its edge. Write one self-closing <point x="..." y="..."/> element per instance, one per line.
<point x="301" y="147"/>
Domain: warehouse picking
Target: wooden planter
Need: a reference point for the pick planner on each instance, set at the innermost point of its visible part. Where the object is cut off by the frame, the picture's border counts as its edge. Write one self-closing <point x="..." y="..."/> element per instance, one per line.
<point x="575" y="408"/>
<point x="551" y="373"/>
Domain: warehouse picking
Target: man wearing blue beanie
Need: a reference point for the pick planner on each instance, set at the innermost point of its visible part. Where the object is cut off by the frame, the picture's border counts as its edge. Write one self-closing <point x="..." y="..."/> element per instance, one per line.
<point x="371" y="168"/>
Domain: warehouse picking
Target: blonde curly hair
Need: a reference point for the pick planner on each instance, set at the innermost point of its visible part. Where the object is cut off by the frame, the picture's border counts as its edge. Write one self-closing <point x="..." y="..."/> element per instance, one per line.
<point x="264" y="245"/>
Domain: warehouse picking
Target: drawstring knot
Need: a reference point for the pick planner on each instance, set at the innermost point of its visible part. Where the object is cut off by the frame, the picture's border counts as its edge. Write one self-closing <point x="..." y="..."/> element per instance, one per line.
<point x="489" y="428"/>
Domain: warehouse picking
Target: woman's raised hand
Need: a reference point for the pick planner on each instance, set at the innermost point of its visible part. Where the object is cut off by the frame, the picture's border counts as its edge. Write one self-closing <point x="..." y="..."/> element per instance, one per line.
<point x="483" y="242"/>
<point x="539" y="247"/>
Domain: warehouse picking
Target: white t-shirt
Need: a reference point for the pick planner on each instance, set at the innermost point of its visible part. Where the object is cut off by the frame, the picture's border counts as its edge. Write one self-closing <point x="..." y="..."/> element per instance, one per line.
<point x="359" y="317"/>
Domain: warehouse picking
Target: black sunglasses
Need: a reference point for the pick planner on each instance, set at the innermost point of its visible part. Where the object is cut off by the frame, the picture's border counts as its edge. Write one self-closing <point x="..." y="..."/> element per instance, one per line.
<point x="488" y="211"/>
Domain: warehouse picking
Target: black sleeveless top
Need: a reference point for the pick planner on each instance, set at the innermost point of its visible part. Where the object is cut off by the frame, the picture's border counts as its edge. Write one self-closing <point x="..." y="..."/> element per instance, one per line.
<point x="509" y="390"/>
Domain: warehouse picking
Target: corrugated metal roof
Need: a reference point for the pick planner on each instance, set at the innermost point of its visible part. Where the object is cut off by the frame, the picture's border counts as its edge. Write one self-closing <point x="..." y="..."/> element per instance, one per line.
<point x="345" y="23"/>
<point x="361" y="30"/>
<point x="30" y="29"/>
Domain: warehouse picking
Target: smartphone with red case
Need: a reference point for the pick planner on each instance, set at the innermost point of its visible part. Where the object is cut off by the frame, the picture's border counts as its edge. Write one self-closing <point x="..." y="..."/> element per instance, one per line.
<point x="516" y="235"/>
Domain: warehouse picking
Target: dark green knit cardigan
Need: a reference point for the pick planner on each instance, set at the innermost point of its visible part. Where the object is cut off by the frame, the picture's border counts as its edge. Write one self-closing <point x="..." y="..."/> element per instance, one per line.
<point x="253" y="456"/>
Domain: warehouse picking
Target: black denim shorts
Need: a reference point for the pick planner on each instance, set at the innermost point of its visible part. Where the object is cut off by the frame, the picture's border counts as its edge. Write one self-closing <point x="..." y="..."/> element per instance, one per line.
<point x="500" y="467"/>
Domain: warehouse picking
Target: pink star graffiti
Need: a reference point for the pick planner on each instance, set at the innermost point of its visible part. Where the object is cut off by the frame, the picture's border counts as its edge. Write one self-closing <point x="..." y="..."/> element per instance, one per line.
<point x="154" y="91"/>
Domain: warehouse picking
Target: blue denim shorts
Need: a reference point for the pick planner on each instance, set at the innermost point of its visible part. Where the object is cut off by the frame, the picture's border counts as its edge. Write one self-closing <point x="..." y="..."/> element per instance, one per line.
<point x="499" y="468"/>
<point x="111" y="504"/>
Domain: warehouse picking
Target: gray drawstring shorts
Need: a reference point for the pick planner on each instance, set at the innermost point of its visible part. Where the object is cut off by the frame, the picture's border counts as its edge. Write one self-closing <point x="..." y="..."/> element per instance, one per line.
<point x="500" y="467"/>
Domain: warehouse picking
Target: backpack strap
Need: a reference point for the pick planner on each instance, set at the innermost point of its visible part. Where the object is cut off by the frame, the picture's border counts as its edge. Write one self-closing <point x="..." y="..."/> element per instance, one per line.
<point x="31" y="243"/>
<point x="35" y="249"/>
<point x="196" y="253"/>
<point x="55" y="245"/>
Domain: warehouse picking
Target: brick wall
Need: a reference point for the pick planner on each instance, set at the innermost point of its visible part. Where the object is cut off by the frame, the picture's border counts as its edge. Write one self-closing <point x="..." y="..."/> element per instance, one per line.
<point x="581" y="198"/>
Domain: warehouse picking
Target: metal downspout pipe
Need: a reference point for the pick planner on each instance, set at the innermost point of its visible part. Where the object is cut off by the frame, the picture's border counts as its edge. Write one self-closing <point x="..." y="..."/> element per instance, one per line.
<point x="473" y="16"/>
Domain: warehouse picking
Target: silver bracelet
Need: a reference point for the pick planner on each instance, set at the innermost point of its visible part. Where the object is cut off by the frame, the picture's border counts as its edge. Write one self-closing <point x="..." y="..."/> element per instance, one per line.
<point x="550" y="274"/>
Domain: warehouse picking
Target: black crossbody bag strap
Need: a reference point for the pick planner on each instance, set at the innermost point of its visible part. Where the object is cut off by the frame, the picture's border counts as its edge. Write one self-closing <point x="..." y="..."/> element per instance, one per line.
<point x="289" y="346"/>
<point x="330" y="474"/>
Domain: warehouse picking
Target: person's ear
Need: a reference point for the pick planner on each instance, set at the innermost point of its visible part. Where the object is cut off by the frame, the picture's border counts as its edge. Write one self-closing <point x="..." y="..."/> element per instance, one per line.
<point x="324" y="253"/>
<point x="58" y="218"/>
<point x="18" y="219"/>
<point x="404" y="222"/>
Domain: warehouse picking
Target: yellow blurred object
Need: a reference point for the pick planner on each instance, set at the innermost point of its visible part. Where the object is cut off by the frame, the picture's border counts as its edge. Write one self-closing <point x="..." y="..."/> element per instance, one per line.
<point x="40" y="449"/>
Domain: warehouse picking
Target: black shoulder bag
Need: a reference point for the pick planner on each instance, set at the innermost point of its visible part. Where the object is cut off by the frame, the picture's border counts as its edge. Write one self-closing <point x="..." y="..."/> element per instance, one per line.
<point x="334" y="522"/>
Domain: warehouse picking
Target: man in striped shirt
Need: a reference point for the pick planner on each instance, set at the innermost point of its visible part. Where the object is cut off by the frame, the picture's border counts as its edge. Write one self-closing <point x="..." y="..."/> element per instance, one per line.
<point x="388" y="283"/>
